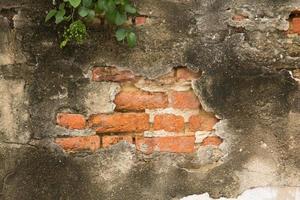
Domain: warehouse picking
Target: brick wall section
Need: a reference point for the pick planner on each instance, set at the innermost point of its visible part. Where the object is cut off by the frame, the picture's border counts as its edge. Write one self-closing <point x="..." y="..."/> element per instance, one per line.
<point x="294" y="22"/>
<point x="111" y="74"/>
<point x="239" y="17"/>
<point x="168" y="122"/>
<point x="120" y="122"/>
<point x="296" y="25"/>
<point x="212" y="140"/>
<point x="107" y="141"/>
<point x="180" y="144"/>
<point x="139" y="101"/>
<point x="184" y="100"/>
<point x="71" y="121"/>
<point x="202" y="122"/>
<point x="140" y="20"/>
<point x="183" y="73"/>
<point x="176" y="115"/>
<point x="91" y="143"/>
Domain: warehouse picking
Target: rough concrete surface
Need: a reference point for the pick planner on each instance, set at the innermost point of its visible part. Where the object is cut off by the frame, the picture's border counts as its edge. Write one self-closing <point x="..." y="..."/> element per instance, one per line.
<point x="246" y="81"/>
<point x="261" y="193"/>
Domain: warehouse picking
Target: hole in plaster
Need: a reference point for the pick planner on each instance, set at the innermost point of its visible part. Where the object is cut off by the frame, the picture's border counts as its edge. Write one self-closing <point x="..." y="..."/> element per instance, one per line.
<point x="295" y="13"/>
<point x="9" y="14"/>
<point x="294" y="22"/>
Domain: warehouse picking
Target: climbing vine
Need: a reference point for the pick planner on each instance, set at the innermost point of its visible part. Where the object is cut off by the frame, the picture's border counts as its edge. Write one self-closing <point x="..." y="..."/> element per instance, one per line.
<point x="75" y="14"/>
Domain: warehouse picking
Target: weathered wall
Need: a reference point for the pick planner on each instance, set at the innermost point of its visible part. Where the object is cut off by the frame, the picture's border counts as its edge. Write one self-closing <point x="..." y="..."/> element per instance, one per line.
<point x="243" y="58"/>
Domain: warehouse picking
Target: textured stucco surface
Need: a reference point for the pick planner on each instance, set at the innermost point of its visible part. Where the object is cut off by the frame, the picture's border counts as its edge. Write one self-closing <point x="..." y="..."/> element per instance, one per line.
<point x="261" y="193"/>
<point x="245" y="80"/>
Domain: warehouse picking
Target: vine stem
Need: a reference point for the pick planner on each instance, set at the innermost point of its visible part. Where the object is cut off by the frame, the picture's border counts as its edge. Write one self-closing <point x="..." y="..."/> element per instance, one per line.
<point x="73" y="11"/>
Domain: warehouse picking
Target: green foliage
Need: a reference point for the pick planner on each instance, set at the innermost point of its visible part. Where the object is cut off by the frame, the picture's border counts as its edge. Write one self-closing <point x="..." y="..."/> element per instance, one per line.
<point x="75" y="32"/>
<point x="75" y="13"/>
<point x="74" y="3"/>
<point x="129" y="35"/>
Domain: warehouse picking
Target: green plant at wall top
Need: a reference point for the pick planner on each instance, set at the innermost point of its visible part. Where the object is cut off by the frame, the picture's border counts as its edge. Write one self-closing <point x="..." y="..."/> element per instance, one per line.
<point x="76" y="12"/>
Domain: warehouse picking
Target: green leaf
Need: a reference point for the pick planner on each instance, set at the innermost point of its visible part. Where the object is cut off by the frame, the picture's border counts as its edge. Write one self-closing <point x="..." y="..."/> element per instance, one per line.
<point x="50" y="14"/>
<point x="59" y="17"/>
<point x="111" y="6"/>
<point x="75" y="3"/>
<point x="102" y="5"/>
<point x="67" y="18"/>
<point x="131" y="39"/>
<point x="91" y="14"/>
<point x="61" y="6"/>
<point x="118" y="2"/>
<point x="83" y="11"/>
<point x="121" y="34"/>
<point x="63" y="43"/>
<point x="120" y="18"/>
<point x="110" y="17"/>
<point x="87" y="3"/>
<point x="130" y="9"/>
<point x="97" y="9"/>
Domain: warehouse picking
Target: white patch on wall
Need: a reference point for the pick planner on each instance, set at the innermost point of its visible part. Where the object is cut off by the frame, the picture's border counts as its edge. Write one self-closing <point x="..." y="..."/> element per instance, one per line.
<point x="13" y="113"/>
<point x="184" y="113"/>
<point x="200" y="135"/>
<point x="258" y="166"/>
<point x="260" y="193"/>
<point x="100" y="96"/>
<point x="223" y="131"/>
<point x="157" y="86"/>
<point x="163" y="133"/>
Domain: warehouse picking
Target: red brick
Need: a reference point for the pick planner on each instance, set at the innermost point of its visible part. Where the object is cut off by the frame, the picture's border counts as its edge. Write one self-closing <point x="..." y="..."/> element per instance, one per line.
<point x="212" y="140"/>
<point x="91" y="143"/>
<point x="202" y="122"/>
<point x="296" y="25"/>
<point x="111" y="140"/>
<point x="140" y="20"/>
<point x="169" y="122"/>
<point x="139" y="101"/>
<point x="120" y="122"/>
<point x="180" y="144"/>
<point x="186" y="74"/>
<point x="166" y="79"/>
<point x="239" y="17"/>
<point x="184" y="100"/>
<point x="70" y="121"/>
<point x="111" y="74"/>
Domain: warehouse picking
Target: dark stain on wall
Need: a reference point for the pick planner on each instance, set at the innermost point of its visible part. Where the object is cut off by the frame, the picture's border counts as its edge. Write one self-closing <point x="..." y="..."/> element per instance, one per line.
<point x="245" y="87"/>
<point x="42" y="174"/>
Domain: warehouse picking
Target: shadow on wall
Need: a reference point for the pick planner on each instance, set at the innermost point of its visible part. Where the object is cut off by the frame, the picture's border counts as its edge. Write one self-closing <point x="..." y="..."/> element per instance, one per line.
<point x="42" y="174"/>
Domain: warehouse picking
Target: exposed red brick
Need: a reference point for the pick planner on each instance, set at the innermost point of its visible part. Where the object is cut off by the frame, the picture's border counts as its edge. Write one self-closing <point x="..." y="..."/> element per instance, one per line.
<point x="70" y="121"/>
<point x="296" y="25"/>
<point x="211" y="140"/>
<point x="120" y="122"/>
<point x="111" y="74"/>
<point x="111" y="140"/>
<point x="160" y="84"/>
<point x="91" y="143"/>
<point x="180" y="144"/>
<point x="186" y="74"/>
<point x="139" y="101"/>
<point x="202" y="122"/>
<point x="184" y="100"/>
<point x="141" y="20"/>
<point x="169" y="122"/>
<point x="166" y="79"/>
<point x="239" y="17"/>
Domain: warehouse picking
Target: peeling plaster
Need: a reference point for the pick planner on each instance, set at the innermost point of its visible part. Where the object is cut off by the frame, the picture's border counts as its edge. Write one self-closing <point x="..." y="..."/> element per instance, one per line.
<point x="260" y="193"/>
